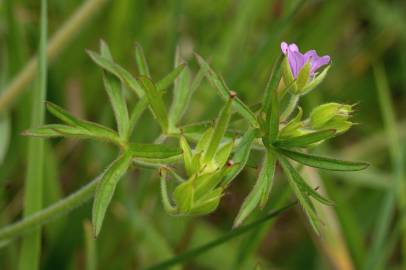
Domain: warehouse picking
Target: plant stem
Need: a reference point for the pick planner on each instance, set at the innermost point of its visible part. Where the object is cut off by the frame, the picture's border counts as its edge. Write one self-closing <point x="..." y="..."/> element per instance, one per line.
<point x="30" y="253"/>
<point x="293" y="100"/>
<point x="57" y="209"/>
<point x="58" y="42"/>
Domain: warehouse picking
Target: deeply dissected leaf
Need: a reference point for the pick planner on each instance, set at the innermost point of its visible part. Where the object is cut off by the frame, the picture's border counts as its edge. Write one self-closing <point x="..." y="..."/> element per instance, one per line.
<point x="218" y="83"/>
<point x="324" y="162"/>
<point x="187" y="155"/>
<point x="181" y="93"/>
<point x="169" y="78"/>
<point x="259" y="194"/>
<point x="141" y="61"/>
<point x="302" y="184"/>
<point x="59" y="130"/>
<point x="301" y="195"/>
<point x="154" y="152"/>
<point x="118" y="103"/>
<point x="156" y="102"/>
<point x="105" y="189"/>
<point x="218" y="132"/>
<point x="307" y="139"/>
<point x="112" y="67"/>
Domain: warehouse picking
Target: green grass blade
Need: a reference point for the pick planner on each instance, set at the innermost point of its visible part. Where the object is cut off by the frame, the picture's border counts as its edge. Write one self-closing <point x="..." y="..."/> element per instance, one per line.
<point x="30" y="252"/>
<point x="105" y="190"/>
<point x="324" y="162"/>
<point x="184" y="257"/>
<point x="307" y="139"/>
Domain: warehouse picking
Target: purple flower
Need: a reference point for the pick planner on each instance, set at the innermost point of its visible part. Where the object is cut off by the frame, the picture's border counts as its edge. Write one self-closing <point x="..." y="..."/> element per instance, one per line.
<point x="297" y="60"/>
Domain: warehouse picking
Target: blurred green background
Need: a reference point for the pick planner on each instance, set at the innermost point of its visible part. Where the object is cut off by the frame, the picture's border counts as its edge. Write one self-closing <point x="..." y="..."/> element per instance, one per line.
<point x="367" y="42"/>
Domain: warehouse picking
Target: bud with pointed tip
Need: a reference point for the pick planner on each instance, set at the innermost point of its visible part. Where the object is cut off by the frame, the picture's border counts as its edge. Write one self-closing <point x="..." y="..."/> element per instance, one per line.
<point x="331" y="116"/>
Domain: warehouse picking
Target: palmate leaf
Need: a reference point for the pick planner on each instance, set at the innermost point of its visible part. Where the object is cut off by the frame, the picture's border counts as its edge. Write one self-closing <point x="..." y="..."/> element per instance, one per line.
<point x="259" y="194"/>
<point x="324" y="162"/>
<point x="105" y="189"/>
<point x="306" y="140"/>
<point x="218" y="83"/>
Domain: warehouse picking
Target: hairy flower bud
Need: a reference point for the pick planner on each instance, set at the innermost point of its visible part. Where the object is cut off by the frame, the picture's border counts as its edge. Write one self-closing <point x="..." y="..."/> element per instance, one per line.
<point x="331" y="116"/>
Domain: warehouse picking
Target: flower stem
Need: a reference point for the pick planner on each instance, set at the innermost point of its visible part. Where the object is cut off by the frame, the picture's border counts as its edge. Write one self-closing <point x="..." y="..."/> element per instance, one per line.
<point x="57" y="209"/>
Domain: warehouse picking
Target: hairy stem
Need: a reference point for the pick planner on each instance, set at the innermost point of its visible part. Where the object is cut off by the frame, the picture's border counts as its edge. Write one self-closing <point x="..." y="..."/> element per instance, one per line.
<point x="57" y="209"/>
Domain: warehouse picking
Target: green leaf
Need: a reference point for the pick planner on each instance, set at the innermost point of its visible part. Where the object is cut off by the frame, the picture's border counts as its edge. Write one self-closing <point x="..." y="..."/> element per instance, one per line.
<point x="197" y="128"/>
<point x="272" y="84"/>
<point x="105" y="51"/>
<point x="324" y="162"/>
<point x="316" y="81"/>
<point x="301" y="195"/>
<point x="184" y="197"/>
<point x="240" y="156"/>
<point x="141" y="61"/>
<point x="307" y="139"/>
<point x="218" y="83"/>
<point x="259" y="194"/>
<point x="115" y="69"/>
<point x="105" y="189"/>
<point x="154" y="151"/>
<point x="170" y="78"/>
<point x="156" y="102"/>
<point x="223" y="153"/>
<point x="181" y="96"/>
<point x="303" y="186"/>
<point x="118" y="103"/>
<point x="187" y="155"/>
<point x="78" y="132"/>
<point x="219" y="131"/>
<point x="62" y="114"/>
<point x="204" y="140"/>
<point x="81" y="127"/>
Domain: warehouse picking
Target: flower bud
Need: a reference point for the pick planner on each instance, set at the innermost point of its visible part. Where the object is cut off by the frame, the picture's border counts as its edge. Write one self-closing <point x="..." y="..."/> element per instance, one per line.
<point x="331" y="116"/>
